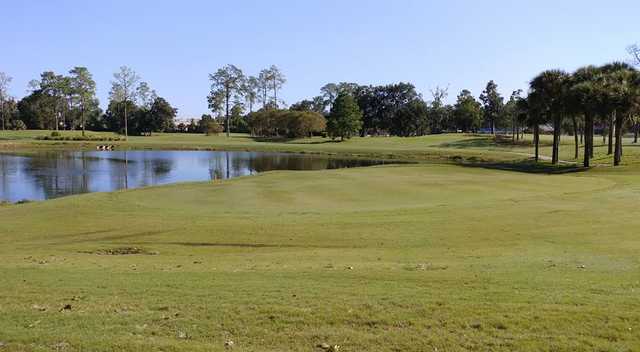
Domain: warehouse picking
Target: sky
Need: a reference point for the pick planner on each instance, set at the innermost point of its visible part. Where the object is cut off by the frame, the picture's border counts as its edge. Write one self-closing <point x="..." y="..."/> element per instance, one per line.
<point x="174" y="45"/>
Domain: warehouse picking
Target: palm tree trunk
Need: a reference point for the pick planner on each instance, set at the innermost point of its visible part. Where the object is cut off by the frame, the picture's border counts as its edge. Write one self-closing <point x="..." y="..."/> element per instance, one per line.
<point x="575" y="136"/>
<point x="536" y="140"/>
<point x="556" y="140"/>
<point x="581" y="135"/>
<point x="590" y="136"/>
<point x="521" y="132"/>
<point x="617" y="157"/>
<point x="588" y="129"/>
<point x="611" y="130"/>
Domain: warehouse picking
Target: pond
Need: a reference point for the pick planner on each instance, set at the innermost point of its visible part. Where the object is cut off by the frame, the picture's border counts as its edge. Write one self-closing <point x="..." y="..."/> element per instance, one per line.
<point x="53" y="174"/>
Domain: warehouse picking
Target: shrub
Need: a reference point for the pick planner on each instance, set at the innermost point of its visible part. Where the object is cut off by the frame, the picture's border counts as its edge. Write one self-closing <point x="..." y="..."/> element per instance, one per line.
<point x="211" y="127"/>
<point x="19" y="125"/>
<point x="55" y="134"/>
<point x="304" y="123"/>
<point x="270" y="123"/>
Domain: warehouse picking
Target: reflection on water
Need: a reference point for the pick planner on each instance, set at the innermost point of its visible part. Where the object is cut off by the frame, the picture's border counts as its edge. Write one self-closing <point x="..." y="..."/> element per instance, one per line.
<point x="55" y="174"/>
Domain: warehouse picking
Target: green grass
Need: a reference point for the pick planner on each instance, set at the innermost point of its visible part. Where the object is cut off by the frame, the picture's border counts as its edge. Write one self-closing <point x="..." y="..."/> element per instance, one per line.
<point x="419" y="257"/>
<point x="444" y="257"/>
<point x="420" y="148"/>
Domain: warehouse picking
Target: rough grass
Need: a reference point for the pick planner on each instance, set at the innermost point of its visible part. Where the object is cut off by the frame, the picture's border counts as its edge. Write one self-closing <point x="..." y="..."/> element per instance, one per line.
<point x="393" y="258"/>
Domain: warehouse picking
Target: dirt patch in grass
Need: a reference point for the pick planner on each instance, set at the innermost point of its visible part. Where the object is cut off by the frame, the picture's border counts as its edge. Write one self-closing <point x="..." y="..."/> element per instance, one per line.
<point x="425" y="267"/>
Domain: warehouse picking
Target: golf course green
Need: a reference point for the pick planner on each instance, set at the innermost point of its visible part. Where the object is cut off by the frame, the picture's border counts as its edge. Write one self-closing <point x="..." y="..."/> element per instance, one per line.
<point x="471" y="248"/>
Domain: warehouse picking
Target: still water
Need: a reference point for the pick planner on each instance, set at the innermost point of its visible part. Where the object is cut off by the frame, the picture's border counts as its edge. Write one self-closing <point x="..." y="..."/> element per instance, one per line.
<point x="49" y="175"/>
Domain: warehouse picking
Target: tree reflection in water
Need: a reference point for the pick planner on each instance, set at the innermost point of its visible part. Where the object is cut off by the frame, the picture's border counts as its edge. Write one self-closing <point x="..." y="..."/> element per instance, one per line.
<point x="46" y="175"/>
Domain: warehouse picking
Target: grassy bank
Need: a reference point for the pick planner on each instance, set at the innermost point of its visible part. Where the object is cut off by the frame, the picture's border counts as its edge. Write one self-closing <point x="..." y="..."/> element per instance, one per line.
<point x="395" y="258"/>
<point x="444" y="147"/>
<point x="420" y="148"/>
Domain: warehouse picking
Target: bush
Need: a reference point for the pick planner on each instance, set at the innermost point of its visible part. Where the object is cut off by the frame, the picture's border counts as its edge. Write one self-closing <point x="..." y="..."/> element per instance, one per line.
<point x="269" y="123"/>
<point x="211" y="127"/>
<point x="304" y="123"/>
<point x="55" y="134"/>
<point x="19" y="125"/>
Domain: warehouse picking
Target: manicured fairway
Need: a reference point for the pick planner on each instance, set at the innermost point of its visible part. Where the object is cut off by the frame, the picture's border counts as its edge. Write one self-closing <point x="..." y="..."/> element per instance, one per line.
<point x="394" y="258"/>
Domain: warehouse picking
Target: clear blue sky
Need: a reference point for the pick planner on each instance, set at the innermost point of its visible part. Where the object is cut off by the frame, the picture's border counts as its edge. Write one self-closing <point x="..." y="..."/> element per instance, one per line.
<point x="175" y="44"/>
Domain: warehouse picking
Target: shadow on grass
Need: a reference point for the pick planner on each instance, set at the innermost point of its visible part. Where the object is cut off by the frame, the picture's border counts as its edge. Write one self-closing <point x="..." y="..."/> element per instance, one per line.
<point x="237" y="245"/>
<point x="528" y="166"/>
<point x="476" y="142"/>
<point x="490" y="141"/>
<point x="292" y="140"/>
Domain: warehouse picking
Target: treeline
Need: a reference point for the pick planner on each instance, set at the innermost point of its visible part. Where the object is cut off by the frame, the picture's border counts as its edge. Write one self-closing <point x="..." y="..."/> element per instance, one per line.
<point x="398" y="109"/>
<point x="55" y="102"/>
<point x="607" y="96"/>
<point x="68" y="102"/>
<point x="394" y="109"/>
<point x="603" y="99"/>
<point x="555" y="99"/>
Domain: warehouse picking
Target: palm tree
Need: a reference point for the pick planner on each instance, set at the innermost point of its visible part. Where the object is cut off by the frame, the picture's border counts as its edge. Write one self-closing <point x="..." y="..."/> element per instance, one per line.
<point x="584" y="95"/>
<point x="534" y="108"/>
<point x="635" y="117"/>
<point x="574" y="121"/>
<point x="551" y="85"/>
<point x="621" y="82"/>
<point x="610" y="100"/>
<point x="573" y="109"/>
